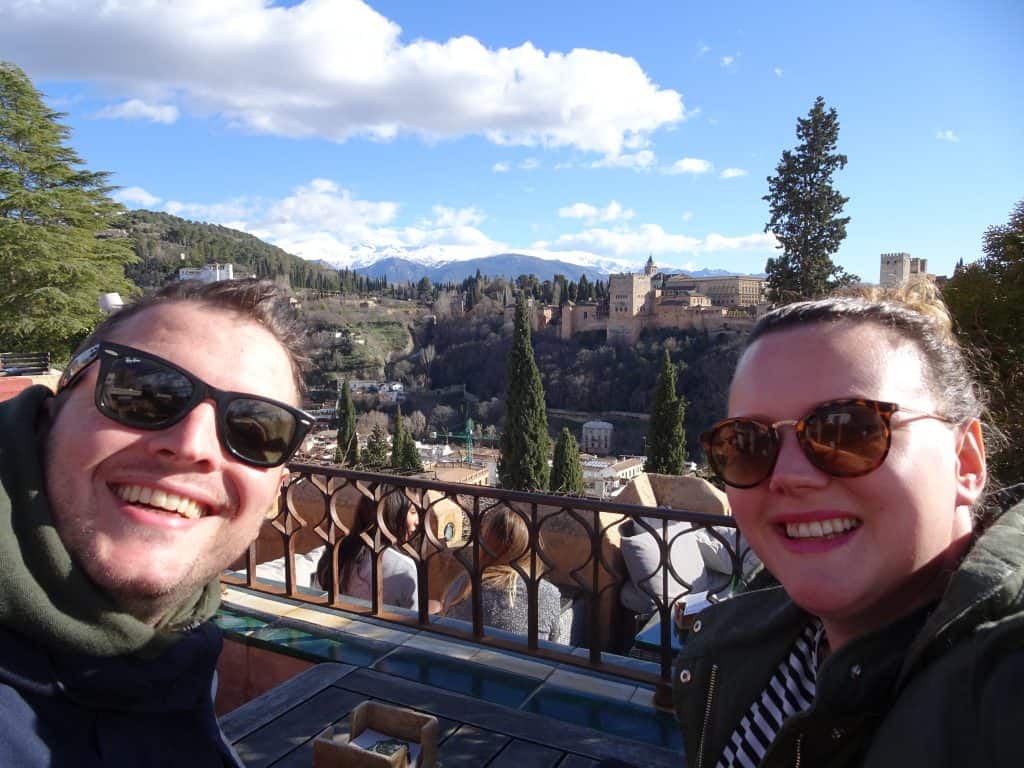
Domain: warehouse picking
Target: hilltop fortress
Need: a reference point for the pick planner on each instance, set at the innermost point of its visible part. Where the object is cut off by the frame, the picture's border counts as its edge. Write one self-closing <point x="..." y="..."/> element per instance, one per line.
<point x="656" y="300"/>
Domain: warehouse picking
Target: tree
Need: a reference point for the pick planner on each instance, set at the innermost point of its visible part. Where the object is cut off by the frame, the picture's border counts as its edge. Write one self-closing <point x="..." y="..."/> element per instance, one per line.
<point x="806" y="212"/>
<point x="524" y="443"/>
<point x="347" y="452"/>
<point x="397" y="440"/>
<point x="566" y="470"/>
<point x="404" y="456"/>
<point x="55" y="256"/>
<point x="417" y="423"/>
<point x="666" y="441"/>
<point x="987" y="300"/>
<point x="376" y="453"/>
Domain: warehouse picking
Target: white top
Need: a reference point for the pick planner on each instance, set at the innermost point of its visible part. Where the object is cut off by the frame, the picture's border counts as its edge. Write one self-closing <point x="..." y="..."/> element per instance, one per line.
<point x="398" y="571"/>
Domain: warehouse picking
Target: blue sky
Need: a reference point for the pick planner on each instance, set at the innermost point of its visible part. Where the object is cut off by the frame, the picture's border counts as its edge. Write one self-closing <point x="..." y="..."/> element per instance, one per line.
<point x="591" y="132"/>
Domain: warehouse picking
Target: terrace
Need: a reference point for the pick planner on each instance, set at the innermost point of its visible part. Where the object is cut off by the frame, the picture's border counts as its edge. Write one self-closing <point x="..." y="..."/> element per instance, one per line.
<point x="603" y="691"/>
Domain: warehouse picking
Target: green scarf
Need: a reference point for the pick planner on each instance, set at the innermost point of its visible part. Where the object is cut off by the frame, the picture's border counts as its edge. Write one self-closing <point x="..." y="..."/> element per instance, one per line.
<point x="44" y="594"/>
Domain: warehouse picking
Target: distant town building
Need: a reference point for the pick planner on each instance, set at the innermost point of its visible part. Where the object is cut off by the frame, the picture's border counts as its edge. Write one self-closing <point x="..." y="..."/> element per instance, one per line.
<point x="897" y="269"/>
<point x="211" y="273"/>
<point x="603" y="478"/>
<point x="597" y="437"/>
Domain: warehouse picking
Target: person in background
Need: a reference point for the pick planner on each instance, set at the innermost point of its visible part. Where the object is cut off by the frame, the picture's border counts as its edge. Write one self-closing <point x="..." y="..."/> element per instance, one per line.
<point x="398" y="570"/>
<point x="122" y="499"/>
<point x="504" y="542"/>
<point x="855" y="467"/>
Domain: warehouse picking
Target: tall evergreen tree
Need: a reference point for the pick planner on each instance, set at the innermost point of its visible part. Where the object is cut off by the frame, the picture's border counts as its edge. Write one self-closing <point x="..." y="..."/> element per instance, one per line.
<point x="806" y="212"/>
<point x="397" y="440"/>
<point x="347" y="452"/>
<point x="666" y="441"/>
<point x="53" y="262"/>
<point x="410" y="460"/>
<point x="376" y="453"/>
<point x="524" y="442"/>
<point x="566" y="469"/>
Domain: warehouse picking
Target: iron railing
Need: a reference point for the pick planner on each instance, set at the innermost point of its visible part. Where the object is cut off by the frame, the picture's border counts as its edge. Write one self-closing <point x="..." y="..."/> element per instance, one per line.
<point x="573" y="542"/>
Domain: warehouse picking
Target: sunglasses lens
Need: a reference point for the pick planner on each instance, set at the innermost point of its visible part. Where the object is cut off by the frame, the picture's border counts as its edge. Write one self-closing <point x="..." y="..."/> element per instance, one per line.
<point x="259" y="431"/>
<point x="742" y="452"/>
<point x="846" y="439"/>
<point x="143" y="393"/>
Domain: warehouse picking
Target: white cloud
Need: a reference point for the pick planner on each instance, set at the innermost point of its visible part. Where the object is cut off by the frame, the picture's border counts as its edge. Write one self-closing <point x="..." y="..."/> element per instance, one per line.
<point x="777" y="71"/>
<point x="947" y="136"/>
<point x="337" y="69"/>
<point x="135" y="197"/>
<point x="702" y="48"/>
<point x="644" y="159"/>
<point x="733" y="173"/>
<point x="612" y="212"/>
<point x="692" y="165"/>
<point x="529" y="164"/>
<point x="500" y="167"/>
<point x="652" y="238"/>
<point x="137" y="109"/>
<point x="687" y="215"/>
<point x="727" y="61"/>
<point x="321" y="220"/>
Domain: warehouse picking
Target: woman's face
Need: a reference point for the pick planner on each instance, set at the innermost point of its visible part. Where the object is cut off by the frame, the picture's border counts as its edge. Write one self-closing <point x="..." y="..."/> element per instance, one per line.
<point x="412" y="522"/>
<point x="911" y="516"/>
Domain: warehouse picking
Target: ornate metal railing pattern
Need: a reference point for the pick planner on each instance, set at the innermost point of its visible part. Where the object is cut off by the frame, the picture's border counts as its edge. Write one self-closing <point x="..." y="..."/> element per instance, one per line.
<point x="573" y="541"/>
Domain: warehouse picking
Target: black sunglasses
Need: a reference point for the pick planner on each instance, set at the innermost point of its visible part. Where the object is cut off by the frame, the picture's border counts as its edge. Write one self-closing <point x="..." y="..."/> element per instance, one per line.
<point x="143" y="391"/>
<point x="843" y="438"/>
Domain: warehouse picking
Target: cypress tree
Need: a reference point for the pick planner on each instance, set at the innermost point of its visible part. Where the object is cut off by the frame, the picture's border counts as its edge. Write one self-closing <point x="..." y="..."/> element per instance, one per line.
<point x="347" y="452"/>
<point x="397" y="440"/>
<point x="53" y="264"/>
<point x="524" y="442"/>
<point x="666" y="441"/>
<point x="410" y="457"/>
<point x="566" y="470"/>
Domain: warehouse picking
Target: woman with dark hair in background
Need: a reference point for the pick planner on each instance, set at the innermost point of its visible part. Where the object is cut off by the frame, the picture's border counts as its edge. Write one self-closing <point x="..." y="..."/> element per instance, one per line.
<point x="505" y="541"/>
<point x="855" y="468"/>
<point x="398" y="570"/>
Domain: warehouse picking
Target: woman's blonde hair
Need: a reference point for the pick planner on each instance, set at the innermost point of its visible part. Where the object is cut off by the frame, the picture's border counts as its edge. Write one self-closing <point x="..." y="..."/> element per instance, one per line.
<point x="914" y="312"/>
<point x="504" y="543"/>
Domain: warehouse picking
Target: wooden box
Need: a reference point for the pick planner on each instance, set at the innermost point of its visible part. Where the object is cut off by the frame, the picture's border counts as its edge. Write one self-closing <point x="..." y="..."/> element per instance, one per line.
<point x="335" y="747"/>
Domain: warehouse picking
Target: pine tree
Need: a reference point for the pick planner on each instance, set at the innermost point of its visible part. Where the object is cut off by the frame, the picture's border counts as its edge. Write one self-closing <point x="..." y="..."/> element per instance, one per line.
<point x="524" y="442"/>
<point x="666" y="441"/>
<point x="806" y="212"/>
<point x="347" y="452"/>
<point x="566" y="470"/>
<point x="376" y="453"/>
<point x="53" y="262"/>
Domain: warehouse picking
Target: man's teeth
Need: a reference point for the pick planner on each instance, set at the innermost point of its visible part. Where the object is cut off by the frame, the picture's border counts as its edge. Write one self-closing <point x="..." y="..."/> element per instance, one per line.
<point x="821" y="529"/>
<point x="161" y="500"/>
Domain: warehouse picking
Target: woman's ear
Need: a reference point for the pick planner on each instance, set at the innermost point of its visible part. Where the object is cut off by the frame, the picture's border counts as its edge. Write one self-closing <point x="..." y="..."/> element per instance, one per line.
<point x="971" y="472"/>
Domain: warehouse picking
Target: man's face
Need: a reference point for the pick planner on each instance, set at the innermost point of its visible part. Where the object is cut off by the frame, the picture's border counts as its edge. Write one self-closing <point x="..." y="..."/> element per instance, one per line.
<point x="148" y="557"/>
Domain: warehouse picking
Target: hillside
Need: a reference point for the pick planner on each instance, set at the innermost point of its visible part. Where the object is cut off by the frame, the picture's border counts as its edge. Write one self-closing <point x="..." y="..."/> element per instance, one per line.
<point x="164" y="243"/>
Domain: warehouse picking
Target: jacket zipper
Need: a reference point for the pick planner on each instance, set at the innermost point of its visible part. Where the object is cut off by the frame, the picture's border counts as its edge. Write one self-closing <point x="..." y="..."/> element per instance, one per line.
<point x="707" y="714"/>
<point x="799" y="743"/>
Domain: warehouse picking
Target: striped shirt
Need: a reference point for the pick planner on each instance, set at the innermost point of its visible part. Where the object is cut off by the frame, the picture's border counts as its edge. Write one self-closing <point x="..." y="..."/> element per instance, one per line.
<point x="790" y="690"/>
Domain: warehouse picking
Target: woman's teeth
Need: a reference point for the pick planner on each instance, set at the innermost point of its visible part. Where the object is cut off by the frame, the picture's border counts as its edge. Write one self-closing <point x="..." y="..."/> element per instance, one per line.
<point x="821" y="529"/>
<point x="171" y="502"/>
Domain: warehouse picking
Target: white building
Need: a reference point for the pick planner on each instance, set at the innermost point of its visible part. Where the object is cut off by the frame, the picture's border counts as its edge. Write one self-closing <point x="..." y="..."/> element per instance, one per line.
<point x="597" y="438"/>
<point x="211" y="273"/>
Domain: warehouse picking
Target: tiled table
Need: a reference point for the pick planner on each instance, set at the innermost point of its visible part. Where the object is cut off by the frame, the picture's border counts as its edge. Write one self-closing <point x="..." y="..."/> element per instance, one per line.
<point x="277" y="729"/>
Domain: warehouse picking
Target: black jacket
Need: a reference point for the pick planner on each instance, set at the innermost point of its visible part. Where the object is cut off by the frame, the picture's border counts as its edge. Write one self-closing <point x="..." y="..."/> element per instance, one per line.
<point x="943" y="686"/>
<point x="65" y="709"/>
